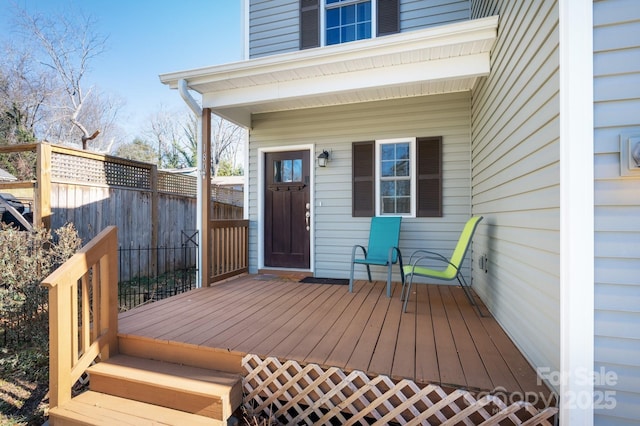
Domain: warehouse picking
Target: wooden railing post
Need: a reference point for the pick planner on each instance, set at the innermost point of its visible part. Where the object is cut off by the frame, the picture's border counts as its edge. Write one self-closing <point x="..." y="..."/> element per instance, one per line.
<point x="42" y="193"/>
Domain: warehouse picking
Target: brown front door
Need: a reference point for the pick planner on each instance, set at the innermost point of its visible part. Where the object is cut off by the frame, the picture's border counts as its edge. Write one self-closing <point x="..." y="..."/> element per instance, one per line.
<point x="287" y="210"/>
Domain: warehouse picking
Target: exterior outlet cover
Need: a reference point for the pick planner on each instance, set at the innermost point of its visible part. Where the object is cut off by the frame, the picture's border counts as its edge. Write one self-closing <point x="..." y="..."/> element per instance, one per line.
<point x="630" y="155"/>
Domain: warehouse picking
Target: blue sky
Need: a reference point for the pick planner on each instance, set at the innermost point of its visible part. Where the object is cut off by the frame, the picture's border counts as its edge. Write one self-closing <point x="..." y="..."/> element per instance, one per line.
<point x="147" y="38"/>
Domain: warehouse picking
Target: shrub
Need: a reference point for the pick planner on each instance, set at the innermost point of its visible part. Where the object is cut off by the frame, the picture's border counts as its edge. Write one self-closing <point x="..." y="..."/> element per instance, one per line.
<point x="26" y="258"/>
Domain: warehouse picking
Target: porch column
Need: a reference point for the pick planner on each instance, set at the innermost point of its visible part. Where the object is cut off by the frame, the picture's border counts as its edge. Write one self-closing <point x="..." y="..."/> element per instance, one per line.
<point x="205" y="196"/>
<point x="576" y="213"/>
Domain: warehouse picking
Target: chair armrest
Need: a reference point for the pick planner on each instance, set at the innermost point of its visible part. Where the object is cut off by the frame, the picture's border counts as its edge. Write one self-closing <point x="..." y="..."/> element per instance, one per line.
<point x="353" y="252"/>
<point x="427" y="255"/>
<point x="390" y="258"/>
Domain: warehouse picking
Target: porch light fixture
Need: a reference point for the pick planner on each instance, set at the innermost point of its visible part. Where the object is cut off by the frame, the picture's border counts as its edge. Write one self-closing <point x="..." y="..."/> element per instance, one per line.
<point x="323" y="158"/>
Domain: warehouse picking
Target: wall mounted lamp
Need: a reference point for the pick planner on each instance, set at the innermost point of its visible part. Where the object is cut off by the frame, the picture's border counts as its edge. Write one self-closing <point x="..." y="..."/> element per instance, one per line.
<point x="323" y="158"/>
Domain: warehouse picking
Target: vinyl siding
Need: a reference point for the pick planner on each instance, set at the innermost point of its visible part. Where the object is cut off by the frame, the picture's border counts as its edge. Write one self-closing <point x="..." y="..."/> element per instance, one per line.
<point x="617" y="207"/>
<point x="418" y="14"/>
<point x="274" y="27"/>
<point x="515" y="163"/>
<point x="334" y="129"/>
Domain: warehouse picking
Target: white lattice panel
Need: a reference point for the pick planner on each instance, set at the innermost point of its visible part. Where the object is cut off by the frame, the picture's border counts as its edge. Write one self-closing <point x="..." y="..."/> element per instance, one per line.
<point x="312" y="395"/>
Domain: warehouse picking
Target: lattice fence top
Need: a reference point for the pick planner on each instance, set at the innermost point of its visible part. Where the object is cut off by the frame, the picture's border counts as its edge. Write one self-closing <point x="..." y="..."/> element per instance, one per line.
<point x="72" y="168"/>
<point x="176" y="183"/>
<point x="313" y="395"/>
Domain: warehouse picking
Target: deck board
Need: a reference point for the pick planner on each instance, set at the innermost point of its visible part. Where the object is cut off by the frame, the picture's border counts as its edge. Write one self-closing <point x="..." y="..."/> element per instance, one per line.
<point x="440" y="339"/>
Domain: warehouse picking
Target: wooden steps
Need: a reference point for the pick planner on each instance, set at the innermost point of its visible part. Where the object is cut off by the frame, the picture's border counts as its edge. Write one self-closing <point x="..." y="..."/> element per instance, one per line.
<point x="131" y="390"/>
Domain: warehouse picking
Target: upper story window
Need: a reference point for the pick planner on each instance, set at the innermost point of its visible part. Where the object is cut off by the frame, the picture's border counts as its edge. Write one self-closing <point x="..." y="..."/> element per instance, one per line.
<point x="347" y="20"/>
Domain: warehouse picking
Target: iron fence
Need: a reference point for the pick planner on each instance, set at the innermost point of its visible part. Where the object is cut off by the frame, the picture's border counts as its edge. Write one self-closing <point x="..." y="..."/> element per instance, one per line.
<point x="153" y="273"/>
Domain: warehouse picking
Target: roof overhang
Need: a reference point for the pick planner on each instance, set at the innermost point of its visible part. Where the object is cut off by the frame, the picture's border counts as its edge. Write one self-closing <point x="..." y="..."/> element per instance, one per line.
<point x="443" y="59"/>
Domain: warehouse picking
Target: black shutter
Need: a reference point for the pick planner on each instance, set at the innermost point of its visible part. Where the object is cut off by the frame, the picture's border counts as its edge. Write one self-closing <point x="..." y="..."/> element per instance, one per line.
<point x="429" y="152"/>
<point x="363" y="189"/>
<point x="309" y="24"/>
<point x="388" y="17"/>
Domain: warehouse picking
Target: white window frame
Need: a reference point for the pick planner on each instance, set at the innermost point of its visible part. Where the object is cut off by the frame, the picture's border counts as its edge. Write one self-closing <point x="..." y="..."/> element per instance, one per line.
<point x="323" y="18"/>
<point x="412" y="174"/>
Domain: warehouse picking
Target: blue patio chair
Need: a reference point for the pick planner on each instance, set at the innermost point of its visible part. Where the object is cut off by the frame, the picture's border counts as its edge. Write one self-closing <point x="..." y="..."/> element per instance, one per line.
<point x="451" y="269"/>
<point x="384" y="236"/>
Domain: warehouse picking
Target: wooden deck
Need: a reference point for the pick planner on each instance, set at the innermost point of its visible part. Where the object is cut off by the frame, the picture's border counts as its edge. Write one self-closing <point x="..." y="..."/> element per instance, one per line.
<point x="440" y="340"/>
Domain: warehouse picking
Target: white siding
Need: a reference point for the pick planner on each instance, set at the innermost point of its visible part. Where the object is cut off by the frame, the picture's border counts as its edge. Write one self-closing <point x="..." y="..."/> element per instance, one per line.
<point x="418" y="14"/>
<point x="274" y="27"/>
<point x="617" y="210"/>
<point x="515" y="163"/>
<point x="334" y="128"/>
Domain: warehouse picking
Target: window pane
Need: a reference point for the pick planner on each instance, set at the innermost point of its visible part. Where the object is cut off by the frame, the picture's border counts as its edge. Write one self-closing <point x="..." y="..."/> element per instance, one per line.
<point x="333" y="1"/>
<point x="286" y="171"/>
<point x="402" y="151"/>
<point x="348" y="33"/>
<point x="333" y="18"/>
<point x="364" y="11"/>
<point x="364" y="31"/>
<point x="403" y="205"/>
<point x="333" y="36"/>
<point x="402" y="168"/>
<point x="388" y="151"/>
<point x="387" y="168"/>
<point x="387" y="188"/>
<point x="348" y="15"/>
<point x="297" y="171"/>
<point x="388" y="206"/>
<point x="403" y="187"/>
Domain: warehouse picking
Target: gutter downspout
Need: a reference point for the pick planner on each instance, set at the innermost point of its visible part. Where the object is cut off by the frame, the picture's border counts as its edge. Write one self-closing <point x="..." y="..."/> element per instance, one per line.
<point x="183" y="88"/>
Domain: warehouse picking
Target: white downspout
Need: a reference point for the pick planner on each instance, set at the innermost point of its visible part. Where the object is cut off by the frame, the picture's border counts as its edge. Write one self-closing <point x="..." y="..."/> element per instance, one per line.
<point x="183" y="88"/>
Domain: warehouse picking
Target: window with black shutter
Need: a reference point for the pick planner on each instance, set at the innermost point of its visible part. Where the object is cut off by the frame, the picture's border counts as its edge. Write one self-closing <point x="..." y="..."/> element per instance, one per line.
<point x="346" y="20"/>
<point x="390" y="187"/>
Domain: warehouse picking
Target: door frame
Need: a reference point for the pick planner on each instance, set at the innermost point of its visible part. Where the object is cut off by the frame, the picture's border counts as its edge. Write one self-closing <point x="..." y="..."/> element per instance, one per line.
<point x="260" y="197"/>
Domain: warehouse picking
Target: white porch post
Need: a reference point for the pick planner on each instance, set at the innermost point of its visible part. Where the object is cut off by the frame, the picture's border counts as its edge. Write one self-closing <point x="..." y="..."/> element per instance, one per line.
<point x="576" y="212"/>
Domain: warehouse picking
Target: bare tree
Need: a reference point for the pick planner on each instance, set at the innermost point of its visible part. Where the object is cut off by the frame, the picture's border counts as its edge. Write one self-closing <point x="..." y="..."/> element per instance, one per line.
<point x="25" y="94"/>
<point x="69" y="47"/>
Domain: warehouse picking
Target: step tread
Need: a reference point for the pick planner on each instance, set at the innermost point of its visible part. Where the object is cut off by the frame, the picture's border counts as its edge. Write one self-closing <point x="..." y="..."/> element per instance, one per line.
<point x="196" y="390"/>
<point x="166" y="374"/>
<point x="94" y="408"/>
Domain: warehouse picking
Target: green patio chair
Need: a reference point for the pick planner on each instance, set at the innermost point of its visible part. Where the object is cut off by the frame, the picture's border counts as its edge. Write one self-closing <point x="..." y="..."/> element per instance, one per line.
<point x="384" y="236"/>
<point x="451" y="270"/>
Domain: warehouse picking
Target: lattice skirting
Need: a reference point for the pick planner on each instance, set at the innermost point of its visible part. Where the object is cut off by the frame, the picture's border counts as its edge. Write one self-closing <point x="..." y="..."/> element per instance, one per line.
<point x="309" y="394"/>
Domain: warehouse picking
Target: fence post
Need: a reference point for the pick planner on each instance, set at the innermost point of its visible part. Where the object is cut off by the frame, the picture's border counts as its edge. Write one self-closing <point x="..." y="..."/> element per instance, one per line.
<point x="42" y="193"/>
<point x="154" y="217"/>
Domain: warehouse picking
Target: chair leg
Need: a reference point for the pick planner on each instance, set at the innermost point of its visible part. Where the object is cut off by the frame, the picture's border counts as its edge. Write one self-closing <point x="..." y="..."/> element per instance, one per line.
<point x="390" y="270"/>
<point x="407" y="295"/>
<point x="467" y="291"/>
<point x="369" y="272"/>
<point x="351" y="278"/>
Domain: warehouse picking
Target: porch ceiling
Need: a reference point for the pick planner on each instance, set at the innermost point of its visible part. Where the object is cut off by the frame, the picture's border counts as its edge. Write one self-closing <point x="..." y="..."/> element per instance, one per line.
<point x="447" y="58"/>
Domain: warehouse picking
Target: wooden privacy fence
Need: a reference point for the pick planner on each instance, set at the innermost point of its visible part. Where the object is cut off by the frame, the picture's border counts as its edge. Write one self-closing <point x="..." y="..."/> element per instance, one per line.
<point x="150" y="207"/>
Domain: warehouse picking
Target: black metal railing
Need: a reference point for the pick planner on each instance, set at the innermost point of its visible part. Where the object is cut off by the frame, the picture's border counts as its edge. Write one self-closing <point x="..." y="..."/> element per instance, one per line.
<point x="148" y="274"/>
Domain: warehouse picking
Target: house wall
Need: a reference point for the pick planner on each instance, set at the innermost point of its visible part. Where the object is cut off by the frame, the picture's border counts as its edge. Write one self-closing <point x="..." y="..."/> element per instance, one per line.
<point x="274" y="25"/>
<point x="334" y="129"/>
<point x="515" y="166"/>
<point x="617" y="208"/>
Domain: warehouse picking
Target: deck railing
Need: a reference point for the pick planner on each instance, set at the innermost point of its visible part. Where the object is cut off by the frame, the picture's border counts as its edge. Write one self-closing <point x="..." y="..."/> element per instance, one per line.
<point x="83" y="313"/>
<point x="229" y="254"/>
